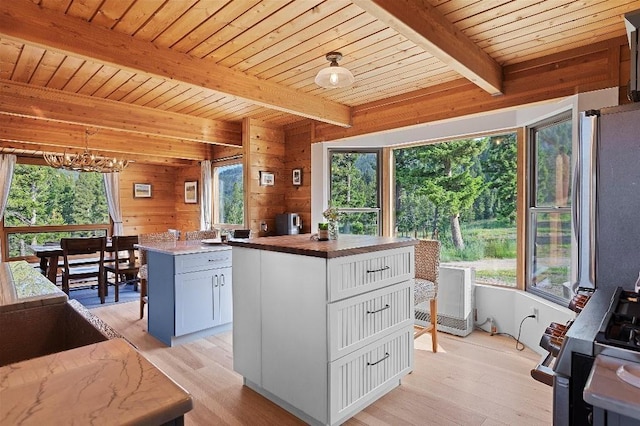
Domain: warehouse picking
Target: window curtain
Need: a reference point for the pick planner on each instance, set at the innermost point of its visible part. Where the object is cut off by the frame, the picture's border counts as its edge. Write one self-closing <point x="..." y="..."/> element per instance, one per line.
<point x="112" y="188"/>
<point x="7" y="163"/>
<point x="206" y="196"/>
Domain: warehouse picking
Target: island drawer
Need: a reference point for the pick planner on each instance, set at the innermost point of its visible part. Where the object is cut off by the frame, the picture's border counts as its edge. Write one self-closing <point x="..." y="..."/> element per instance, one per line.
<point x="358" y="378"/>
<point x="359" y="320"/>
<point x="351" y="275"/>
<point x="202" y="261"/>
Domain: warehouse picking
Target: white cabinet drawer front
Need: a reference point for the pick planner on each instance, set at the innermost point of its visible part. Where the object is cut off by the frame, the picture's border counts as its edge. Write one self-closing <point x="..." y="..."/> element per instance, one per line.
<point x="359" y="320"/>
<point x="352" y="275"/>
<point x="358" y="378"/>
<point x="202" y="261"/>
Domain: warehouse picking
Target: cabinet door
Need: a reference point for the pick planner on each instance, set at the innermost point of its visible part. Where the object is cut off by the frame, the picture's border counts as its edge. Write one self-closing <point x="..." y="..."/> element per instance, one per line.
<point x="224" y="313"/>
<point x="195" y="300"/>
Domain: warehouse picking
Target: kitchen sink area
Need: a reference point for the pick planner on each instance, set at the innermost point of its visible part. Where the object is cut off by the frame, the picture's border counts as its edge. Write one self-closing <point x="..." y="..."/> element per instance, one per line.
<point x="44" y="330"/>
<point x="54" y="351"/>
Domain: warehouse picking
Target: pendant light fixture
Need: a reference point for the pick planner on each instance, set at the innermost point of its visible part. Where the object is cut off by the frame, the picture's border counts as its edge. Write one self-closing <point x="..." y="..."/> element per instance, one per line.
<point x="334" y="76"/>
<point x="85" y="161"/>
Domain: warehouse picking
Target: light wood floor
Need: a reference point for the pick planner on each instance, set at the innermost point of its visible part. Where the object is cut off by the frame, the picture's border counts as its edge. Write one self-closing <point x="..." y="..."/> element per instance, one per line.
<point x="476" y="380"/>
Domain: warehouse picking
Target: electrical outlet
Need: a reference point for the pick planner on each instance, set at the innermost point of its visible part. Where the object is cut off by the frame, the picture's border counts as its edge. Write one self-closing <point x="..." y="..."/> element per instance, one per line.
<point x="493" y="329"/>
<point x="534" y="311"/>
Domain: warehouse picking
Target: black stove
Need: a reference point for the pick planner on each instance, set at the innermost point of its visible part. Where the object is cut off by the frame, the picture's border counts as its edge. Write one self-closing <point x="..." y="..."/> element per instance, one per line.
<point x="608" y="324"/>
<point x="619" y="333"/>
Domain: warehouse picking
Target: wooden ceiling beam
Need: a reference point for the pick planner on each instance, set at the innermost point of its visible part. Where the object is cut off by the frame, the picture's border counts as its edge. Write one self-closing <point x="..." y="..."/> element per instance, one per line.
<point x="423" y="24"/>
<point x="50" y="104"/>
<point x="24" y="21"/>
<point x="53" y="136"/>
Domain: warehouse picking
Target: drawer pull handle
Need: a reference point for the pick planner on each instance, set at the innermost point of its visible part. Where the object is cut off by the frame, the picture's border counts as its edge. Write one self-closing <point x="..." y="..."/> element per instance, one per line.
<point x="379" y="310"/>
<point x="370" y="271"/>
<point x="371" y="364"/>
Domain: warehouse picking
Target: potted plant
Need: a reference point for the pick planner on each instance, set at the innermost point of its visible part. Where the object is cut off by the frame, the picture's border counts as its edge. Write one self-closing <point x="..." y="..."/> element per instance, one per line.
<point x="323" y="231"/>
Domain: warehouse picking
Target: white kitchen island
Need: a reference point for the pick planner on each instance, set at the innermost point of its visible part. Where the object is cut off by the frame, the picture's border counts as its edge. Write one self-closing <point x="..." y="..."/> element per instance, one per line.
<point x="189" y="290"/>
<point x="323" y="328"/>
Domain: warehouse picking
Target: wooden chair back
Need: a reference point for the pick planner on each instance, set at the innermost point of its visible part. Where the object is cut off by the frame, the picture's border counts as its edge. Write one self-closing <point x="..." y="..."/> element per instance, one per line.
<point x="125" y="266"/>
<point x="200" y="235"/>
<point x="124" y="247"/>
<point x="76" y="248"/>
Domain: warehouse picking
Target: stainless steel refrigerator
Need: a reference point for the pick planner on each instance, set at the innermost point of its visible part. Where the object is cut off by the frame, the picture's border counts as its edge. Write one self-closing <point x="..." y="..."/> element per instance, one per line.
<point x="608" y="208"/>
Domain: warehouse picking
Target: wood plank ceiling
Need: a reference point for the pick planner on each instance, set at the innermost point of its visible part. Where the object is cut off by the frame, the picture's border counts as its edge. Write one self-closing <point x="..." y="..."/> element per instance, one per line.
<point x="199" y="63"/>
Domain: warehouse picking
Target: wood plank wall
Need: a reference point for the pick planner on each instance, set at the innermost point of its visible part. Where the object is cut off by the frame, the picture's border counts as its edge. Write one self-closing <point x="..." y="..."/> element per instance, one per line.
<point x="187" y="215"/>
<point x="155" y="214"/>
<point x="298" y="156"/>
<point x="264" y="150"/>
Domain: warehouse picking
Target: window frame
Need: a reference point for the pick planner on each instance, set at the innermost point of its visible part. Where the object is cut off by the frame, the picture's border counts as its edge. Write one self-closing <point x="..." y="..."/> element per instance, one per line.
<point x="379" y="180"/>
<point x="534" y="210"/>
<point x="6" y="231"/>
<point x="216" y="193"/>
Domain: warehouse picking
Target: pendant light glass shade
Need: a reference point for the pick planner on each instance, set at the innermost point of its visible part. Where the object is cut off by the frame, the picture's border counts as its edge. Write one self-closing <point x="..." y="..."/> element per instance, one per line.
<point x="334" y="76"/>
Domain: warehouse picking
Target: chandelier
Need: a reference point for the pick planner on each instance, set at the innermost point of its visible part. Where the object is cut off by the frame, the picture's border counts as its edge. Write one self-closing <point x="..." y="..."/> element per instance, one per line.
<point x="85" y="161"/>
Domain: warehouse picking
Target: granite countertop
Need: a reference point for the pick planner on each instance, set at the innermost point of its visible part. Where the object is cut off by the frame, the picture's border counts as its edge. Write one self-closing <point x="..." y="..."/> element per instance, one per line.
<point x="303" y="244"/>
<point x="606" y="390"/>
<point x="183" y="247"/>
<point x="21" y="287"/>
<point x="103" y="383"/>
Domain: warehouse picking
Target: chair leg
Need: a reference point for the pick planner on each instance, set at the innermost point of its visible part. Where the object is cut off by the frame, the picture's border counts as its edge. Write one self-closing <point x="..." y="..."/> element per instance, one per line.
<point x="433" y="306"/>
<point x="143" y="294"/>
<point x="116" y="280"/>
<point x="65" y="283"/>
<point x="102" y="284"/>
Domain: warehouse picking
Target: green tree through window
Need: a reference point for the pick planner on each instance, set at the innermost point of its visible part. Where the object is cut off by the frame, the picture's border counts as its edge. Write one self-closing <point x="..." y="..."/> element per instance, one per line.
<point x="42" y="197"/>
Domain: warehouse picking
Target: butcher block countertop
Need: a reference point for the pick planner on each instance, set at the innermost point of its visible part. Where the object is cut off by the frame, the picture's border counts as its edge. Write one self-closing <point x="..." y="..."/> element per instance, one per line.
<point x="103" y="383"/>
<point x="303" y="244"/>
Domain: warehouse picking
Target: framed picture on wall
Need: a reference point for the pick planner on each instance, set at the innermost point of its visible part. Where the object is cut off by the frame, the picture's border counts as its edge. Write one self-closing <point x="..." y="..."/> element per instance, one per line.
<point x="191" y="192"/>
<point x="297" y="177"/>
<point x="141" y="190"/>
<point x="267" y="179"/>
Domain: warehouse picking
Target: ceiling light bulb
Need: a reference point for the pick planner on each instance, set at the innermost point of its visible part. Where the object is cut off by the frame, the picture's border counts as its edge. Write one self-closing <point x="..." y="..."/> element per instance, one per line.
<point x="334" y="76"/>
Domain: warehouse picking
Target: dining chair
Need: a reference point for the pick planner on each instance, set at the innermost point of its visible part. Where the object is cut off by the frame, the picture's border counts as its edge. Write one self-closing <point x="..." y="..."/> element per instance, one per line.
<point x="427" y="271"/>
<point x="156" y="237"/>
<point x="125" y="263"/>
<point x="200" y="235"/>
<point x="76" y="248"/>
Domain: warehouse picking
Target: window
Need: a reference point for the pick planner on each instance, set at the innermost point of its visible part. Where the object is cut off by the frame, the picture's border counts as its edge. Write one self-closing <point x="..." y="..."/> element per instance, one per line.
<point x="46" y="204"/>
<point x="355" y="190"/>
<point x="228" y="194"/>
<point x="462" y="193"/>
<point x="549" y="227"/>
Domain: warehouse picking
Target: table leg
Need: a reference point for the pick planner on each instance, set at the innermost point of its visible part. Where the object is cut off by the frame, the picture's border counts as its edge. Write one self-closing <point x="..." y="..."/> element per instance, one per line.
<point x="43" y="265"/>
<point x="52" y="269"/>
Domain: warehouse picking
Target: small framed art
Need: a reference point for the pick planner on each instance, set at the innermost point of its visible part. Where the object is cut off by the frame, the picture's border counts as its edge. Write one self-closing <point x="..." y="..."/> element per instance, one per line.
<point x="297" y="177"/>
<point x="141" y="190"/>
<point x="267" y="179"/>
<point x="191" y="192"/>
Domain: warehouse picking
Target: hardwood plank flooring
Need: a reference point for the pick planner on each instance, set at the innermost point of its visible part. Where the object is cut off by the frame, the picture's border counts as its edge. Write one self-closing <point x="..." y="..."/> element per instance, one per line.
<point x="476" y="380"/>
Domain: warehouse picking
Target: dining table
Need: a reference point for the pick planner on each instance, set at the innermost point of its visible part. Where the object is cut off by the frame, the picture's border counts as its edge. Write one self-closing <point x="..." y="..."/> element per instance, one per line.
<point x="50" y="254"/>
